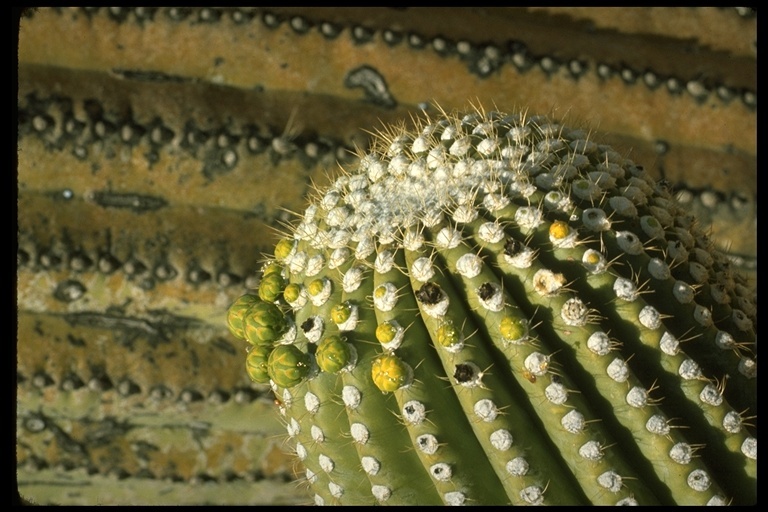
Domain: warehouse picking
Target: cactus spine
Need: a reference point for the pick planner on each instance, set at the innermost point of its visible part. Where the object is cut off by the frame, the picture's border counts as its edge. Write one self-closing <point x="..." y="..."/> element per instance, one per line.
<point x="495" y="309"/>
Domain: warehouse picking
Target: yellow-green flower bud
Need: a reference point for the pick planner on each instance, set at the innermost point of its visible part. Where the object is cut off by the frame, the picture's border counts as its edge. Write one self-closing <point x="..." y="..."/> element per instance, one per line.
<point x="390" y="334"/>
<point x="333" y="354"/>
<point x="283" y="249"/>
<point x="559" y="230"/>
<point x="271" y="267"/>
<point x="264" y="323"/>
<point x="292" y="292"/>
<point x="341" y="313"/>
<point x="316" y="287"/>
<point x="390" y="373"/>
<point x="271" y="287"/>
<point x="319" y="290"/>
<point x="386" y="332"/>
<point x="256" y="363"/>
<point x="236" y="314"/>
<point x="447" y="334"/>
<point x="287" y="365"/>
<point x="380" y="292"/>
<point x="514" y="330"/>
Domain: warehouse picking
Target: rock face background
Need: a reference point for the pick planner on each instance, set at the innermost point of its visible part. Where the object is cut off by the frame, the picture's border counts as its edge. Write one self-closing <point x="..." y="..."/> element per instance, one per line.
<point x="160" y="151"/>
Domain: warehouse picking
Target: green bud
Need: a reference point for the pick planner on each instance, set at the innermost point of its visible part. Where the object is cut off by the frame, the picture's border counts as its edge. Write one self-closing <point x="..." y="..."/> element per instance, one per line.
<point x="315" y="287"/>
<point x="271" y="267"/>
<point x="283" y="249"/>
<point x="341" y="313"/>
<point x="236" y="314"/>
<point x="513" y="329"/>
<point x="292" y="292"/>
<point x="287" y="365"/>
<point x="256" y="363"/>
<point x="390" y="373"/>
<point x="447" y="335"/>
<point x="333" y="354"/>
<point x="264" y="323"/>
<point x="271" y="287"/>
<point x="386" y="332"/>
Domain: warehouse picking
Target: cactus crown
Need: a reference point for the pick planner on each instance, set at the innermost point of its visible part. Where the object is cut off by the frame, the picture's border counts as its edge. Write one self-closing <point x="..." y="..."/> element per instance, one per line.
<point x="493" y="308"/>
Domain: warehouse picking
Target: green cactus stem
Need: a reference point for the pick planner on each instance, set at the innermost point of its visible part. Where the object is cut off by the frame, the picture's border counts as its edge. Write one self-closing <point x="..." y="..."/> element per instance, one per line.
<point x="493" y="308"/>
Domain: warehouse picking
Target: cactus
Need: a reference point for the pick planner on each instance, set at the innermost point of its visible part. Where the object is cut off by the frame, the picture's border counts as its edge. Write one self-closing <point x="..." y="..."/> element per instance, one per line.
<point x="495" y="309"/>
<point x="146" y="137"/>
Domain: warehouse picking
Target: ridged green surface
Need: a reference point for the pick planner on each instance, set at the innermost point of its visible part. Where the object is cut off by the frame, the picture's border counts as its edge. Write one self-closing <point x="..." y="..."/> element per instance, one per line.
<point x="518" y="312"/>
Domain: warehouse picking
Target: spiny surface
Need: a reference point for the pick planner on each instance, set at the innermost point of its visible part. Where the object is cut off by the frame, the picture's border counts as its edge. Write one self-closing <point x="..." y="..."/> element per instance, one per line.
<point x="494" y="308"/>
